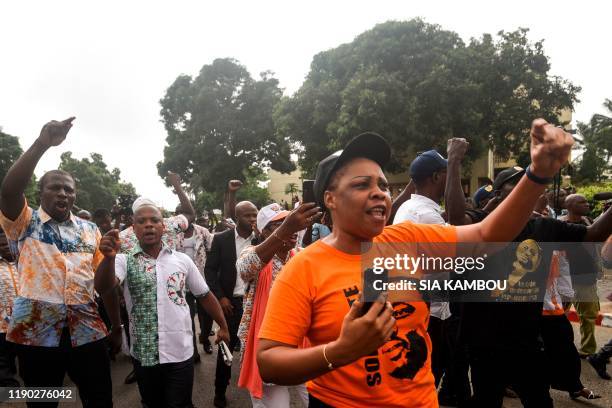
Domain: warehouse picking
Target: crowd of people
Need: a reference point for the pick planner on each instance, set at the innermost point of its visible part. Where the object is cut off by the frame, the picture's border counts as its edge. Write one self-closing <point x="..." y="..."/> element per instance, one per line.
<point x="283" y="286"/>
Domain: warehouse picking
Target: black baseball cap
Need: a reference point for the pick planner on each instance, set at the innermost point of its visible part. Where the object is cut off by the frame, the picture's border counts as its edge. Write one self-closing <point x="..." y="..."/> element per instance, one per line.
<point x="426" y="164"/>
<point x="368" y="145"/>
<point x="510" y="174"/>
<point x="483" y="193"/>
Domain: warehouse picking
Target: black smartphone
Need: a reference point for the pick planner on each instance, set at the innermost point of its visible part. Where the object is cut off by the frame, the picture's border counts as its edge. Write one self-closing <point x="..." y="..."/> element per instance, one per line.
<point x="308" y="195"/>
<point x="373" y="287"/>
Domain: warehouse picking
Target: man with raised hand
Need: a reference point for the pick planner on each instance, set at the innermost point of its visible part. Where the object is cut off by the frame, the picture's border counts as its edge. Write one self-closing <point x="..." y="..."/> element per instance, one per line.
<point x="229" y="210"/>
<point x="55" y="321"/>
<point x="503" y="330"/>
<point x="436" y="178"/>
<point x="155" y="279"/>
<point x="195" y="242"/>
<point x="173" y="226"/>
<point x="227" y="284"/>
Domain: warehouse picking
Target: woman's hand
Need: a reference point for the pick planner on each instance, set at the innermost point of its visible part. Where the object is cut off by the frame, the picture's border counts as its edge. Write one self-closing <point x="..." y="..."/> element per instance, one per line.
<point x="361" y="335"/>
<point x="299" y="219"/>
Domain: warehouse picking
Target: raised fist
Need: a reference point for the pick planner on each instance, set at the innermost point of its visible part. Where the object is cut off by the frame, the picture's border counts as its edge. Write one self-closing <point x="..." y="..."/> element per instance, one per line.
<point x="550" y="148"/>
<point x="456" y="148"/>
<point x="174" y="179"/>
<point x="109" y="244"/>
<point x="234" y="185"/>
<point x="54" y="133"/>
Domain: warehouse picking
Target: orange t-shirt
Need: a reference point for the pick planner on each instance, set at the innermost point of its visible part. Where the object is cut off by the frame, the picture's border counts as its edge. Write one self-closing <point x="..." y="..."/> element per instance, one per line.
<point x="311" y="296"/>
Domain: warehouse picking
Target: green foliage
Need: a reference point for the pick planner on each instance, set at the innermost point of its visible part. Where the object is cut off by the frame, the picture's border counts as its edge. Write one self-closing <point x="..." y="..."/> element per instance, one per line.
<point x="602" y="126"/>
<point x="31" y="192"/>
<point x="97" y="187"/>
<point x="292" y="189"/>
<point x="597" y="147"/>
<point x="219" y="124"/>
<point x="590" y="190"/>
<point x="252" y="189"/>
<point x="10" y="151"/>
<point x="418" y="85"/>
<point x="206" y="201"/>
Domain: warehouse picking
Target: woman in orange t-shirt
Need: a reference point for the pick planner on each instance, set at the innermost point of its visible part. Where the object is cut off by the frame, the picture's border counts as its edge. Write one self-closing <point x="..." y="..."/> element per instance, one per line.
<point x="380" y="358"/>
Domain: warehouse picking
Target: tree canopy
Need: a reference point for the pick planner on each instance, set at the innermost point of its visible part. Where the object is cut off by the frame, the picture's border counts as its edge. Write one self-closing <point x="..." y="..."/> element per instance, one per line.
<point x="96" y="185"/>
<point x="252" y="190"/>
<point x="596" y="146"/>
<point x="418" y="85"/>
<point x="10" y="151"/>
<point x="219" y="125"/>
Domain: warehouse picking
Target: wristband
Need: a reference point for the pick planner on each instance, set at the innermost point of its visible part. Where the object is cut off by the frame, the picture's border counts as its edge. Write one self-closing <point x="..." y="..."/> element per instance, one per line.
<point x="536" y="179"/>
<point x="277" y="237"/>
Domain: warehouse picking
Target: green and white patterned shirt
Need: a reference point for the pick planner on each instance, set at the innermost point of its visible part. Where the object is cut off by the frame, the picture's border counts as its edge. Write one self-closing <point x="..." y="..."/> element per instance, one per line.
<point x="154" y="291"/>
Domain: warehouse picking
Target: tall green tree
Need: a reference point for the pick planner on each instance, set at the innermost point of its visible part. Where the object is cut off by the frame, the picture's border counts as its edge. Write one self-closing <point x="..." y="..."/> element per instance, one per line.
<point x="97" y="185"/>
<point x="292" y="189"/>
<point x="595" y="146"/>
<point x="602" y="129"/>
<point x="253" y="189"/>
<point x="219" y="124"/>
<point x="418" y="85"/>
<point x="10" y="151"/>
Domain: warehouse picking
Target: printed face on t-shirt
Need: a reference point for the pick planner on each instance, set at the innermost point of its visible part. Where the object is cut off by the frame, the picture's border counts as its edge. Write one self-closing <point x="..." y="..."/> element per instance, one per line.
<point x="528" y="254"/>
<point x="405" y="352"/>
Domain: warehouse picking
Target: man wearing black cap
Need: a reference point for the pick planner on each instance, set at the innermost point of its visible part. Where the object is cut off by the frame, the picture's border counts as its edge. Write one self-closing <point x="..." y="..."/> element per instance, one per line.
<point x="432" y="174"/>
<point x="503" y="336"/>
<point x="428" y="171"/>
<point x="483" y="195"/>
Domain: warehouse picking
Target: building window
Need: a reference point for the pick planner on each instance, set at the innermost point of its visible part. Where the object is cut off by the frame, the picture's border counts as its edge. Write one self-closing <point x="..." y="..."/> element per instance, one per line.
<point x="465" y="185"/>
<point x="483" y="181"/>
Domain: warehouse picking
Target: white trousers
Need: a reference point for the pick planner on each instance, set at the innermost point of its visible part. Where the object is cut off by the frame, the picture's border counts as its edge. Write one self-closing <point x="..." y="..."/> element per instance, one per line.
<point x="277" y="396"/>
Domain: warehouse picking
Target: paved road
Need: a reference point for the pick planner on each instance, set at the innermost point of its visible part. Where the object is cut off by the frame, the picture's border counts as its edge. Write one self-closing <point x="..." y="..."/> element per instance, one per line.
<point x="127" y="395"/>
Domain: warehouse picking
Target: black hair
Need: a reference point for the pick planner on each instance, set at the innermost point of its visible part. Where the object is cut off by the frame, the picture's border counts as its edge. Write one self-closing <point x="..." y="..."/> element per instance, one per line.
<point x="101" y="213"/>
<point x="339" y="172"/>
<point x="43" y="179"/>
<point x="420" y="181"/>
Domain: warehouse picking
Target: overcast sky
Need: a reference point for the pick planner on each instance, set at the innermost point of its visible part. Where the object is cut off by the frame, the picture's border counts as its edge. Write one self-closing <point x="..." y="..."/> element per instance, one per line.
<point x="109" y="64"/>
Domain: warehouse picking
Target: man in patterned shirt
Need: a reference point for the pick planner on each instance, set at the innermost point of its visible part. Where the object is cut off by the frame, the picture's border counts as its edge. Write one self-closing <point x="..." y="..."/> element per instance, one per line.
<point x="173" y="226"/>
<point x="55" y="321"/>
<point x="195" y="243"/>
<point x="155" y="279"/>
<point x="8" y="291"/>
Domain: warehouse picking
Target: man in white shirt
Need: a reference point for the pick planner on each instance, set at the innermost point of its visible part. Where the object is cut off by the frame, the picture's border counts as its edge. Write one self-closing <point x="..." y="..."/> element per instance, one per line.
<point x="429" y="172"/>
<point x="195" y="242"/>
<point x="227" y="285"/>
<point x="155" y="279"/>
